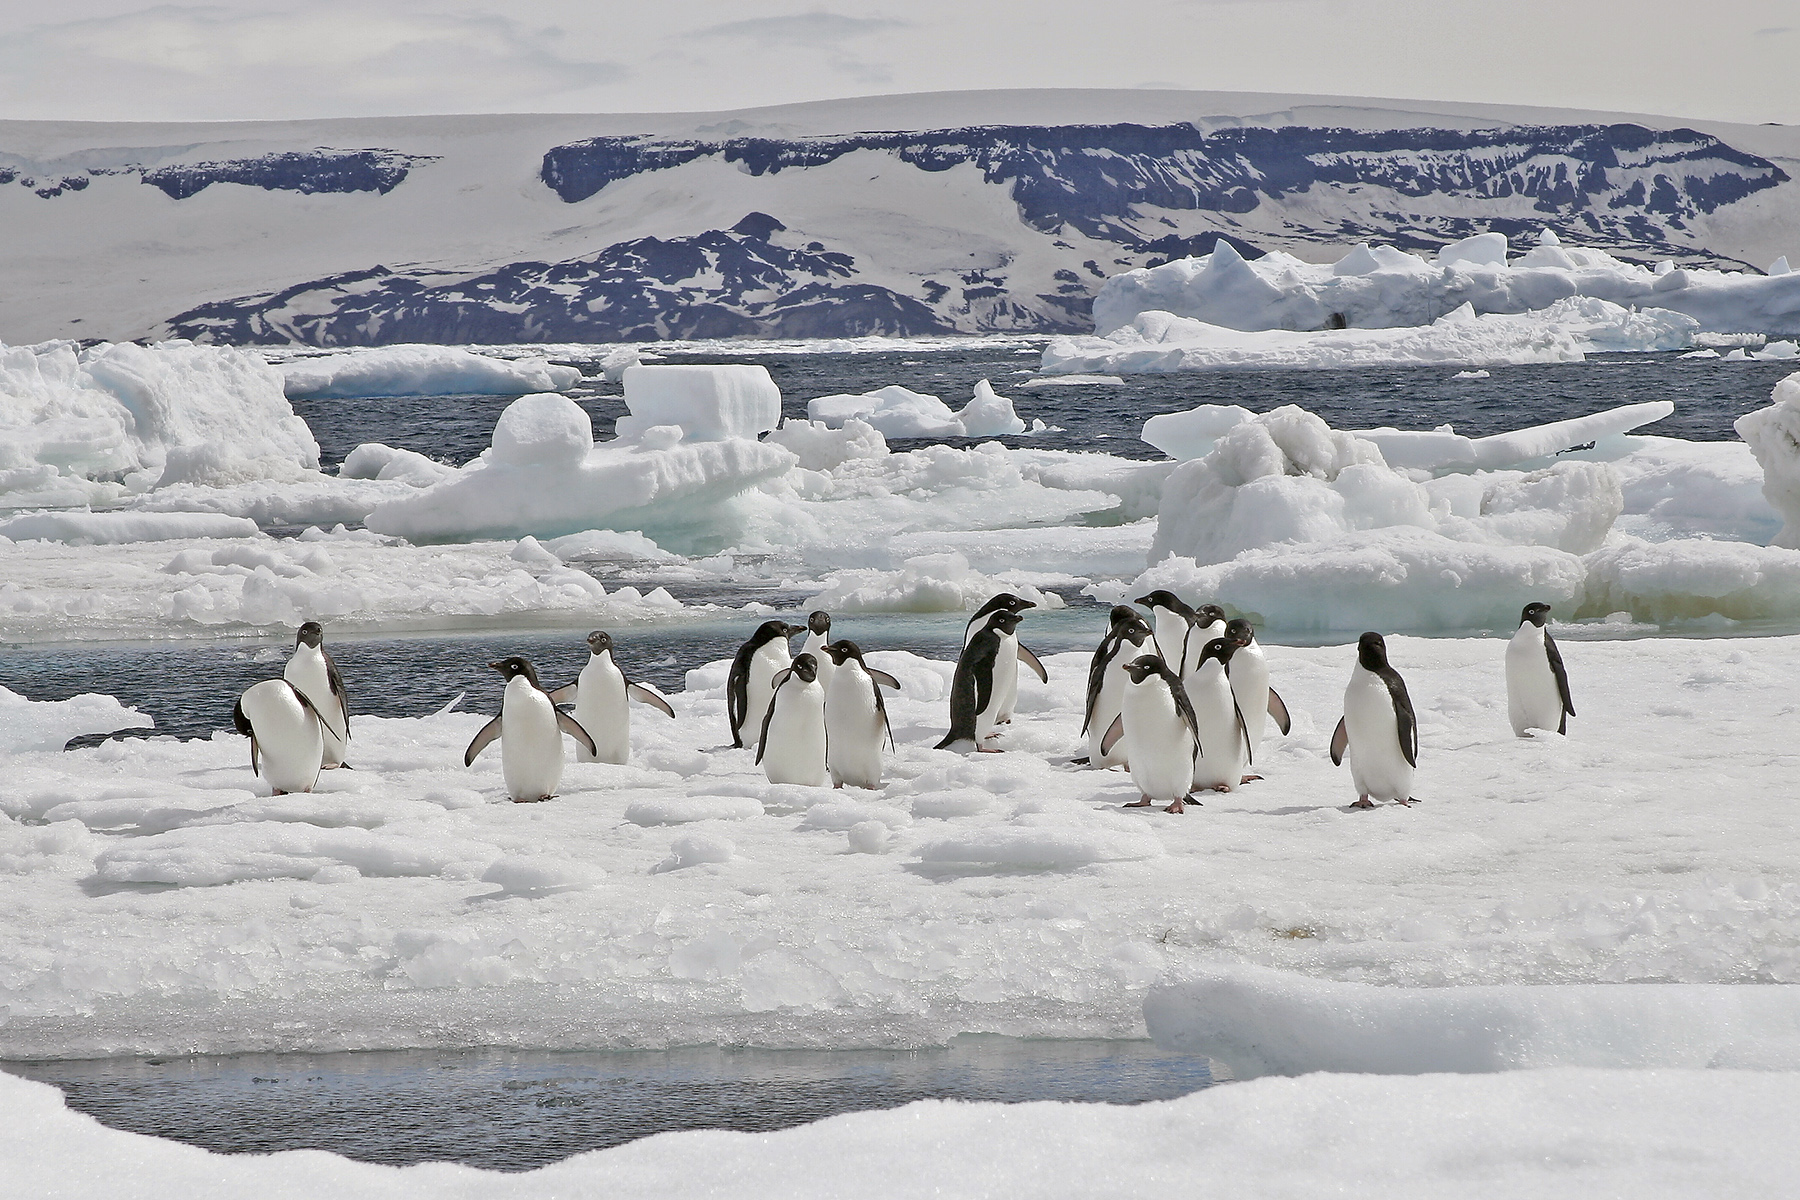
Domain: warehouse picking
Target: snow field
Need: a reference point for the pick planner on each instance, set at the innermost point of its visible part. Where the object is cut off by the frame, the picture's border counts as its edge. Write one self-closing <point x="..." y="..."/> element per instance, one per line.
<point x="1533" y="1135"/>
<point x="163" y="902"/>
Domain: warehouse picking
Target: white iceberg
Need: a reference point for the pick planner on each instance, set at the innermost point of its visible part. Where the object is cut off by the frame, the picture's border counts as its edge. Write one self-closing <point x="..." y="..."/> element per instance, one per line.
<point x="708" y="403"/>
<point x="901" y="412"/>
<point x="410" y="370"/>
<point x="942" y="582"/>
<point x="1773" y="434"/>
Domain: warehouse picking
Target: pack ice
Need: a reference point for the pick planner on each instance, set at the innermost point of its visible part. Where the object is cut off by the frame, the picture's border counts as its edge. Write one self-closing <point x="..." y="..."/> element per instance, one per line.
<point x="422" y="371"/>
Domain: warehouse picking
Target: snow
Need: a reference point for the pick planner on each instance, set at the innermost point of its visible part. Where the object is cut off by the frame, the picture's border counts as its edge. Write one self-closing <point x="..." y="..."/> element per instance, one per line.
<point x="411" y="370"/>
<point x="901" y="412"/>
<point x="709" y="403"/>
<point x="1265" y="1022"/>
<point x="46" y="725"/>
<point x="112" y="528"/>
<point x="1378" y="287"/>
<point x="1567" y="330"/>
<point x="1773" y="434"/>
<point x="374" y="460"/>
<point x="941" y="582"/>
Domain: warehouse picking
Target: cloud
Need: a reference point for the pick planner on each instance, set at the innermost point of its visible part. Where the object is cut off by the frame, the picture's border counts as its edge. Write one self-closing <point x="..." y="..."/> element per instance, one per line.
<point x="801" y="29"/>
<point x="321" y="60"/>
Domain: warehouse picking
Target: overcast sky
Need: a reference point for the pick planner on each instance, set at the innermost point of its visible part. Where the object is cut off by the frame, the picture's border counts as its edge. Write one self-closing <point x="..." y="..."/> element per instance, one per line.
<point x="1732" y="60"/>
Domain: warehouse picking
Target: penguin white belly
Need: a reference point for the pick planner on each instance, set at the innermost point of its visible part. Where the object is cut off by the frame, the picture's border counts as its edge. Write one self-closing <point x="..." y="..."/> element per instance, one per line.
<point x="1113" y="682"/>
<point x="770" y="659"/>
<point x="853" y="728"/>
<point x="1221" y="762"/>
<point x="1171" y="638"/>
<point x="1006" y="679"/>
<point x="815" y="646"/>
<point x="794" y="750"/>
<point x="290" y="746"/>
<point x="1532" y="698"/>
<point x="1196" y="645"/>
<point x="600" y="708"/>
<point x="1250" y="684"/>
<point x="307" y="672"/>
<point x="531" y="753"/>
<point x="1157" y="742"/>
<point x="1377" y="766"/>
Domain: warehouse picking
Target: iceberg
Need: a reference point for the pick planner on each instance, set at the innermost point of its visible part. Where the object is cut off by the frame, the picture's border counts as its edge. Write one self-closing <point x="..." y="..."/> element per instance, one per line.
<point x="1773" y="434"/>
<point x="707" y="403"/>
<point x="901" y="412"/>
<point x="409" y="370"/>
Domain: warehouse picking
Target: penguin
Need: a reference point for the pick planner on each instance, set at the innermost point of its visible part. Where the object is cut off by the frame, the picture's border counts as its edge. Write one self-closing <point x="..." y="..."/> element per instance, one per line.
<point x="1173" y="621"/>
<point x="531" y="755"/>
<point x="1106" y="681"/>
<point x="599" y="694"/>
<point x="287" y="741"/>
<point x="855" y="717"/>
<point x="1220" y="766"/>
<point x="1250" y="684"/>
<point x="1209" y="623"/>
<point x="1377" y="728"/>
<point x="748" y="687"/>
<point x="316" y="677"/>
<point x="1161" y="736"/>
<point x="792" y="746"/>
<point x="1537" y="686"/>
<point x="974" y="688"/>
<point x="818" y="632"/>
<point x="1012" y="652"/>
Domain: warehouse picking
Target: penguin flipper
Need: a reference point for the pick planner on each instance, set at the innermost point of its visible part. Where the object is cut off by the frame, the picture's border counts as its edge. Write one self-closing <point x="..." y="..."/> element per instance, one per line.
<point x="645" y="695"/>
<point x="1340" y="742"/>
<point x="573" y="728"/>
<point x="1243" y="732"/>
<point x="762" y="739"/>
<point x="781" y="677"/>
<point x="489" y="733"/>
<point x="1278" y="710"/>
<point x="565" y="694"/>
<point x="1114" y="732"/>
<point x="882" y="677"/>
<point x="335" y="679"/>
<point x="1031" y="660"/>
<point x="1562" y="677"/>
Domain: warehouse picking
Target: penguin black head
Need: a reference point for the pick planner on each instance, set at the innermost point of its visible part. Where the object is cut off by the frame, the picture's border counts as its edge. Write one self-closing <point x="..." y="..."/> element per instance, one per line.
<point x="514" y="667"/>
<point x="1005" y="602"/>
<point x="1208" y="613"/>
<point x="843" y="649"/>
<point x="311" y="634"/>
<point x="770" y="631"/>
<point x="1221" y="649"/>
<point x="1121" y="615"/>
<point x="819" y="622"/>
<point x="1004" y="622"/>
<point x="1163" y="598"/>
<point x="805" y="668"/>
<point x="1537" y="612"/>
<point x="1371" y="651"/>
<point x="1135" y="630"/>
<point x="1144" y="666"/>
<point x="599" y="642"/>
<point x="1239" y="631"/>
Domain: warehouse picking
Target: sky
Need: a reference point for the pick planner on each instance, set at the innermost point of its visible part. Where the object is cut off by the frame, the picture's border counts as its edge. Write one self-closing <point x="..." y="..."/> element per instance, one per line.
<point x="1731" y="60"/>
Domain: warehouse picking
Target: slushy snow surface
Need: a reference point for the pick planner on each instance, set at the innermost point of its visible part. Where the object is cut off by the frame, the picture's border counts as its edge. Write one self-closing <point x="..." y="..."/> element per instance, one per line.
<point x="422" y="371"/>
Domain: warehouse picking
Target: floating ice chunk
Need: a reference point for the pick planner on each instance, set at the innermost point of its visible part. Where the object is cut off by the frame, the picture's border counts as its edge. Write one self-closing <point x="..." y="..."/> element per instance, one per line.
<point x="47" y="724"/>
<point x="1191" y="434"/>
<point x="1774" y="437"/>
<point x="614" y="363"/>
<point x="1472" y="375"/>
<point x="708" y="402"/>
<point x="894" y="410"/>
<point x="544" y="430"/>
<point x="1484" y="249"/>
<point x="1699" y="577"/>
<point x="607" y="545"/>
<point x="925" y="583"/>
<point x="1265" y="1022"/>
<point x="821" y="447"/>
<point x="1072" y="381"/>
<point x="1542" y="441"/>
<point x="1775" y="351"/>
<point x="422" y="371"/>
<point x="112" y="528"/>
<point x="1779" y="266"/>
<point x="989" y="414"/>
<point x="373" y="460"/>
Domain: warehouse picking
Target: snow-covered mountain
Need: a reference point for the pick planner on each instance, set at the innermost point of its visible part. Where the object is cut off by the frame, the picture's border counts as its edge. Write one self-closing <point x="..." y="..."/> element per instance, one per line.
<point x="968" y="212"/>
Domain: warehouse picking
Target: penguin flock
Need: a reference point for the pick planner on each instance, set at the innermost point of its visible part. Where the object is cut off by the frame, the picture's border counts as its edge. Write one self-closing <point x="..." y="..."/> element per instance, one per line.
<point x="1181" y="699"/>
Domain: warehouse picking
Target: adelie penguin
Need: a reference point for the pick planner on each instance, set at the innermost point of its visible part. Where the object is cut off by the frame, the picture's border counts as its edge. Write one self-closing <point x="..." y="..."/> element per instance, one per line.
<point x="1161" y="736"/>
<point x="1012" y="651"/>
<point x="1378" y="729"/>
<point x="748" y="688"/>
<point x="529" y="729"/>
<point x="975" y="687"/>
<point x="1226" y="752"/>
<point x="287" y="743"/>
<point x="792" y="746"/>
<point x="316" y="677"/>
<point x="856" y="717"/>
<point x="1250" y="684"/>
<point x="1173" y="620"/>
<point x="1537" y="686"/>
<point x="599" y="695"/>
<point x="818" y="633"/>
<point x="1124" y="641"/>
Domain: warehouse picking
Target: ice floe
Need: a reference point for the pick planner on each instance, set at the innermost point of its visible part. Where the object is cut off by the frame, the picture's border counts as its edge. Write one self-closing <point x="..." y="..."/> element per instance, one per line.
<point x="901" y="412"/>
<point x="409" y="370"/>
<point x="1773" y="434"/>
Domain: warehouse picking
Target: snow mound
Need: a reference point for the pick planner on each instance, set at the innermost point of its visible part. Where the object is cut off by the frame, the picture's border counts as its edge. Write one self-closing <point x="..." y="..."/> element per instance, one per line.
<point x="1378" y="287"/>
<point x="1566" y="331"/>
<point x="112" y="528"/>
<point x="1041" y="848"/>
<point x="373" y="460"/>
<point x="1266" y="1022"/>
<point x="48" y="724"/>
<point x="709" y="403"/>
<point x="821" y="447"/>
<point x="1774" y="437"/>
<point x="421" y="371"/>
<point x="1685" y="578"/>
<point x="925" y="583"/>
<point x="901" y="412"/>
<point x="685" y="810"/>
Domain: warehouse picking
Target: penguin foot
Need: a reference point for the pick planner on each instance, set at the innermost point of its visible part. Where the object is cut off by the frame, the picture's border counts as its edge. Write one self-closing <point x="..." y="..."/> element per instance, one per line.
<point x="1218" y="787"/>
<point x="1363" y="802"/>
<point x="989" y="750"/>
<point x="1409" y="801"/>
<point x="1178" y="807"/>
<point x="531" y="799"/>
<point x="1250" y="779"/>
<point x="1140" y="802"/>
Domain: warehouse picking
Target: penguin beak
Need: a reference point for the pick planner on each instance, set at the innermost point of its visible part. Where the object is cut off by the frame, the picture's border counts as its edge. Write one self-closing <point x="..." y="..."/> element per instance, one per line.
<point x="501" y="667"/>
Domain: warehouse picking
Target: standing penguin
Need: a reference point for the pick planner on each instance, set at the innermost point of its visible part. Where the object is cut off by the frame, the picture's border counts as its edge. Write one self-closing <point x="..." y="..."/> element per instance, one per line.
<point x="999" y="602"/>
<point x="1227" y="752"/>
<point x="316" y="677"/>
<point x="753" y="671"/>
<point x="792" y="746"/>
<point x="975" y="690"/>
<point x="1173" y="620"/>
<point x="855" y="717"/>
<point x="818" y="632"/>
<point x="1162" y="739"/>
<point x="1250" y="684"/>
<point x="1537" y="687"/>
<point x="599" y="694"/>
<point x="1377" y="729"/>
<point x="531" y="754"/>
<point x="1106" y="681"/>
<point x="287" y="745"/>
<point x="1012" y="651"/>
